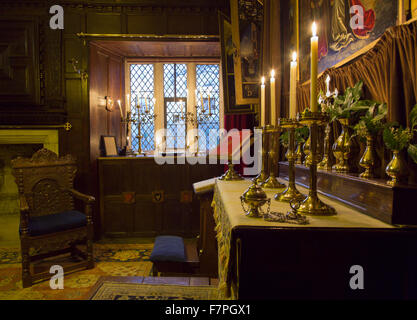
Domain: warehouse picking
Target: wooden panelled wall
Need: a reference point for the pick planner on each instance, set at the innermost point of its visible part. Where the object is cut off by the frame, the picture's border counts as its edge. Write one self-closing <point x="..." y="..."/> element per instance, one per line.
<point x="38" y="84"/>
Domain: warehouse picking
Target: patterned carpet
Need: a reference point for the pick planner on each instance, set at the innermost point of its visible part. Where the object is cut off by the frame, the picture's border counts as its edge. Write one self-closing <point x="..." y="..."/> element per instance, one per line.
<point x="133" y="291"/>
<point x="111" y="260"/>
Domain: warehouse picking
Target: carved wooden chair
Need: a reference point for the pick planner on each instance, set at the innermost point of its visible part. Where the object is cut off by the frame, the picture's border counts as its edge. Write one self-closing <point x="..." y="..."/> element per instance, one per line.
<point x="49" y="224"/>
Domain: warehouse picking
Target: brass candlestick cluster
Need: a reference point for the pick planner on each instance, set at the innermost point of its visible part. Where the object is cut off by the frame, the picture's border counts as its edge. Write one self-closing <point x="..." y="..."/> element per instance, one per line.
<point x="255" y="198"/>
<point x="139" y="118"/>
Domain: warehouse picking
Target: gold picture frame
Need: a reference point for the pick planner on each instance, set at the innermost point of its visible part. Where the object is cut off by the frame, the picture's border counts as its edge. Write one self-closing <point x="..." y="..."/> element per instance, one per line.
<point x="227" y="69"/>
<point x="247" y="20"/>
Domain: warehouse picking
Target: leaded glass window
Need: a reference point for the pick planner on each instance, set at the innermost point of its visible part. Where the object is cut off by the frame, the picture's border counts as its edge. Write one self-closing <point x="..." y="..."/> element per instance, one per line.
<point x="142" y="94"/>
<point x="175" y="97"/>
<point x="208" y="90"/>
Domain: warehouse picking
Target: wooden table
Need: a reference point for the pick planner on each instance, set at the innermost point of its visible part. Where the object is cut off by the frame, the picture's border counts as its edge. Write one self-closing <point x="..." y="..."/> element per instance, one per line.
<point x="269" y="260"/>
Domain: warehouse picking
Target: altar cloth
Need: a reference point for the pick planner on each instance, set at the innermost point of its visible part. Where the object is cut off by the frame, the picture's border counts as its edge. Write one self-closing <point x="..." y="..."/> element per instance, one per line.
<point x="229" y="215"/>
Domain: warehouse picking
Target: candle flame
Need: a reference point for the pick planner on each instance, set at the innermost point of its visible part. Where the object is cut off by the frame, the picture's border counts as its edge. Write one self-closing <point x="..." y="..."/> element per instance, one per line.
<point x="272" y="73"/>
<point x="118" y="101"/>
<point x="314" y="29"/>
<point x="294" y="56"/>
<point x="263" y="80"/>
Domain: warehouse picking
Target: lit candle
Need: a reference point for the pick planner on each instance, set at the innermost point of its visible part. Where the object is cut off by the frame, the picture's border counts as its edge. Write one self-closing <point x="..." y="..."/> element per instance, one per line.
<point x="314" y="67"/>
<point x="293" y="87"/>
<point x="146" y="104"/>
<point x="263" y="102"/>
<point x="273" y="111"/>
<point x="208" y="93"/>
<point x="120" y="108"/>
<point x="202" y="101"/>
<point x="328" y="94"/>
<point x="127" y="104"/>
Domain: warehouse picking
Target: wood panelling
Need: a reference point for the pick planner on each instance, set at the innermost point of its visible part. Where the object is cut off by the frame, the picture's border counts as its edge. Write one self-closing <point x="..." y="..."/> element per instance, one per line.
<point x="38" y="84"/>
<point x="144" y="217"/>
<point x="162" y="49"/>
<point x="106" y="79"/>
<point x="19" y="65"/>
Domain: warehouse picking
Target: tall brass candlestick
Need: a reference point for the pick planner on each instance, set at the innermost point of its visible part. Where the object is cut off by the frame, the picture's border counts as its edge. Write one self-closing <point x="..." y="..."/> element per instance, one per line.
<point x="272" y="182"/>
<point x="291" y="193"/>
<point x="261" y="178"/>
<point x="312" y="205"/>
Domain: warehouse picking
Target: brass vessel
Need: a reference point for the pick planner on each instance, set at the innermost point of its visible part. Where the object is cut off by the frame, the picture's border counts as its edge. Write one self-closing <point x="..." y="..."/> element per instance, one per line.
<point x="252" y="200"/>
<point x="343" y="149"/>
<point x="306" y="151"/>
<point x="394" y="168"/>
<point x="290" y="194"/>
<point x="368" y="159"/>
<point x="299" y="153"/>
<point x="272" y="182"/>
<point x="326" y="162"/>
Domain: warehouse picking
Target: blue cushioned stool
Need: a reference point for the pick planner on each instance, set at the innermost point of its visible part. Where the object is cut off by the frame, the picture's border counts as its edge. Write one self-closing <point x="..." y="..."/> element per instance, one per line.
<point x="171" y="255"/>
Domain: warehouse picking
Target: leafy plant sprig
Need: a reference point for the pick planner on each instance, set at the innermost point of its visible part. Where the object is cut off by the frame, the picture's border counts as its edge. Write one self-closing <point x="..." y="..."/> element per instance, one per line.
<point x="348" y="104"/>
<point x="398" y="138"/>
<point x="373" y="121"/>
<point x="301" y="135"/>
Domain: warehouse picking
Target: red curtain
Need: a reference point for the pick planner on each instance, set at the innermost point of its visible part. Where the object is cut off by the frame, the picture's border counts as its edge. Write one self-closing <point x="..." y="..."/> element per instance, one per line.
<point x="239" y="121"/>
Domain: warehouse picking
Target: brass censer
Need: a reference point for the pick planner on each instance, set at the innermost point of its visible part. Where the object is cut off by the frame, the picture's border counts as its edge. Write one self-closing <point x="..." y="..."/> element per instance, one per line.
<point x="253" y="199"/>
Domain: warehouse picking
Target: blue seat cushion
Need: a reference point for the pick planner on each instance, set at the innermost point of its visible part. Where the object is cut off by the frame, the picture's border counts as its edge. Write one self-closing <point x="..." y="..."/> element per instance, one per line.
<point x="56" y="222"/>
<point x="168" y="248"/>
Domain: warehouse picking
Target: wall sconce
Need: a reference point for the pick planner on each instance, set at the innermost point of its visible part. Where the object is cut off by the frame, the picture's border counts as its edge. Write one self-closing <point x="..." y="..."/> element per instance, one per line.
<point x="109" y="103"/>
<point x="82" y="73"/>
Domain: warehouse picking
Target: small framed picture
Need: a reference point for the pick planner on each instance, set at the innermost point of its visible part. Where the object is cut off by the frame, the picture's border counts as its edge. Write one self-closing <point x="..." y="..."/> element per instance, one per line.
<point x="109" y="146"/>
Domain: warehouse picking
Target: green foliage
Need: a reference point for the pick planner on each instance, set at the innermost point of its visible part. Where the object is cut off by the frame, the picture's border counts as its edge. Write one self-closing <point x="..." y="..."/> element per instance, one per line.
<point x="412" y="151"/>
<point x="284" y="138"/>
<point x="413" y="117"/>
<point x="397" y="138"/>
<point x="348" y="104"/>
<point x="301" y="135"/>
<point x="373" y="121"/>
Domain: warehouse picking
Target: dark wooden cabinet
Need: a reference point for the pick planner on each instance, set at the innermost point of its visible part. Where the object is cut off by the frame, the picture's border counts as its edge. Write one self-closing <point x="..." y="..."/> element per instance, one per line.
<point x="138" y="197"/>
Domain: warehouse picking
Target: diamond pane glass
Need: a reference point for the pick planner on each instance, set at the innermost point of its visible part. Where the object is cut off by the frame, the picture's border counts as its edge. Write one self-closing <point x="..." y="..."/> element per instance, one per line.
<point x="176" y="127"/>
<point x="142" y="95"/>
<point x="175" y="94"/>
<point x="208" y="93"/>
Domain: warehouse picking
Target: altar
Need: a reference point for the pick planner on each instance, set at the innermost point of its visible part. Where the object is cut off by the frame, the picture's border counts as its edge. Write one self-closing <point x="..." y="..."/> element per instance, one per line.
<point x="269" y="260"/>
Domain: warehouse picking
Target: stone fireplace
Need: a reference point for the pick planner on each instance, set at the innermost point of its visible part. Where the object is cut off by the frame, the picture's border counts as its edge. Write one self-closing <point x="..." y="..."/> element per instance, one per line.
<point x="14" y="143"/>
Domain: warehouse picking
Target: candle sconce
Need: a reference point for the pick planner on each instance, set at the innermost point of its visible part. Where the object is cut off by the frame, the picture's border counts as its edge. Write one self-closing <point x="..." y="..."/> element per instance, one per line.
<point x="139" y="118"/>
<point x="325" y="102"/>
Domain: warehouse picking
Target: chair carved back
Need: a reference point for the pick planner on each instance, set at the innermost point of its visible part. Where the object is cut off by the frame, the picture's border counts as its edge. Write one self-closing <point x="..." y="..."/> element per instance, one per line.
<point x="43" y="179"/>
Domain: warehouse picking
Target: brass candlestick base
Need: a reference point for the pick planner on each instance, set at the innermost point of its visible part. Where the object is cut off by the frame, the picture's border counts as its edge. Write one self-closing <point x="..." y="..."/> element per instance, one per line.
<point x="272" y="182"/>
<point x="262" y="177"/>
<point x="291" y="193"/>
<point x="312" y="205"/>
<point x="231" y="174"/>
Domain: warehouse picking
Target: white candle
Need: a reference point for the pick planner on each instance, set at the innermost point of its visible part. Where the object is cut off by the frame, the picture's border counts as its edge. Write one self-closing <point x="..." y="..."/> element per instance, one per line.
<point x="293" y="87"/>
<point x="120" y="108"/>
<point x="209" y="106"/>
<point x="263" y="102"/>
<point x="273" y="110"/>
<point x="202" y="102"/>
<point x="314" y="68"/>
<point x="328" y="94"/>
<point x="127" y="104"/>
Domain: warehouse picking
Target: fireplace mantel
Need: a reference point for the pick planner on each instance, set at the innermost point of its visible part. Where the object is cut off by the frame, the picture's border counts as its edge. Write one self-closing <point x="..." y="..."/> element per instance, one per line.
<point x="47" y="137"/>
